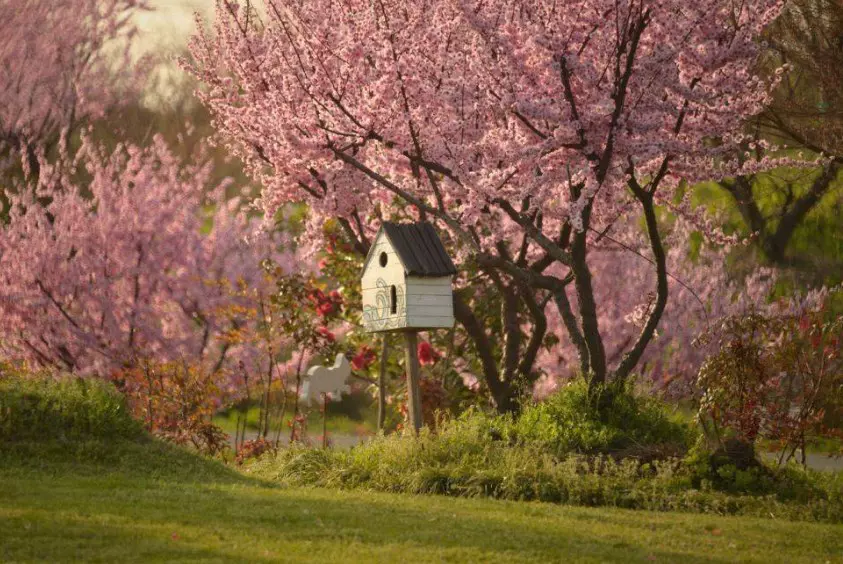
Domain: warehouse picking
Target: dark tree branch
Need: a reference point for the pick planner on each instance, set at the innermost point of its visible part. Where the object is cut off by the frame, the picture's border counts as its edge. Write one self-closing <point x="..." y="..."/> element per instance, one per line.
<point x="631" y="358"/>
<point x="776" y="243"/>
<point x="483" y="346"/>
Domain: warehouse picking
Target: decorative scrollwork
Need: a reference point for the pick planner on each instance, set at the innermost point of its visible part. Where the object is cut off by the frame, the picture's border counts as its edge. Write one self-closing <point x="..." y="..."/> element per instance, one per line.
<point x="379" y="317"/>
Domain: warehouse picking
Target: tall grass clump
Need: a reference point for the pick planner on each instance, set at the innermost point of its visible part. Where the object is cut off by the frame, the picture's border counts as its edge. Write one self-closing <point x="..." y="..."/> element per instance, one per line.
<point x="616" y="450"/>
<point x="471" y="457"/>
<point x="42" y="407"/>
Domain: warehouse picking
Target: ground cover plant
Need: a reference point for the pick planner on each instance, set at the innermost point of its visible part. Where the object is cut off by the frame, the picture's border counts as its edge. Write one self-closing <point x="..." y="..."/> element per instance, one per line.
<point x="614" y="420"/>
<point x="33" y="409"/>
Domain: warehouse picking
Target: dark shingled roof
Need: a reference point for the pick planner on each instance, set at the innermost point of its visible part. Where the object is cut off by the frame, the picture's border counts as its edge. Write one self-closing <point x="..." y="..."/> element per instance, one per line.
<point x="420" y="249"/>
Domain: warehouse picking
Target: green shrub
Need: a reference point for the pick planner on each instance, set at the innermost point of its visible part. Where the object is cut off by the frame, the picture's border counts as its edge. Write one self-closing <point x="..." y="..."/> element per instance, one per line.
<point x="43" y="408"/>
<point x="468" y="458"/>
<point x="789" y="482"/>
<point x="612" y="421"/>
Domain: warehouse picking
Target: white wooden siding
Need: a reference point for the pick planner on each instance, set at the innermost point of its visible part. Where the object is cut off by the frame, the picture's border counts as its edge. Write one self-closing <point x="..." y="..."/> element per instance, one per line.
<point x="442" y="281"/>
<point x="370" y="294"/>
<point x="444" y="310"/>
<point x="426" y="300"/>
<point x="392" y="273"/>
<point x="430" y="322"/>
<point x="430" y="302"/>
<point x="441" y="288"/>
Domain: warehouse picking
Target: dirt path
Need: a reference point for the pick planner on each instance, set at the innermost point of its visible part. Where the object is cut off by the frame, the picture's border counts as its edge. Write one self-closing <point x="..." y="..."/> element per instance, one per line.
<point x="340" y="441"/>
<point x="817" y="461"/>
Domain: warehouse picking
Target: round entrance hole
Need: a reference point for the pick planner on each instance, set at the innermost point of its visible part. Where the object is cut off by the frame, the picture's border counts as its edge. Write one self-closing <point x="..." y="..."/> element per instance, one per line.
<point x="383" y="259"/>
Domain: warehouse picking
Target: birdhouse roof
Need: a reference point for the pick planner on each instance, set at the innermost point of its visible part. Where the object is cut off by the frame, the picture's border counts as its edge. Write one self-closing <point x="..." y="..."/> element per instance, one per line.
<point x="419" y="249"/>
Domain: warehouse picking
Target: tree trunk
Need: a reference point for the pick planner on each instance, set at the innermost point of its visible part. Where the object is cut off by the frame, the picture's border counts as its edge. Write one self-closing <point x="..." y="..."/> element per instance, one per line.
<point x="588" y="311"/>
<point x="502" y="393"/>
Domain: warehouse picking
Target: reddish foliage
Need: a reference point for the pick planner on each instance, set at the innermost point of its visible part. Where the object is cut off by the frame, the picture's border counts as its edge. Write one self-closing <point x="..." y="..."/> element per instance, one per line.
<point x="325" y="305"/>
<point x="434" y="400"/>
<point x="326" y="334"/>
<point x="773" y="378"/>
<point x="253" y="449"/>
<point x="176" y="402"/>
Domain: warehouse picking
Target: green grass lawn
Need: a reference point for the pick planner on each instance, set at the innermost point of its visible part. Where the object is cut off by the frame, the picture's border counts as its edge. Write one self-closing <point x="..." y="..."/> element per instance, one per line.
<point x="146" y="501"/>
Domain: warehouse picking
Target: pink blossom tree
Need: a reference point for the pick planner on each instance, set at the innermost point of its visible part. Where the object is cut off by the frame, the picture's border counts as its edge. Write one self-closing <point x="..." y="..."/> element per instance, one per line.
<point x="62" y="62"/>
<point x="104" y="263"/>
<point x="530" y="131"/>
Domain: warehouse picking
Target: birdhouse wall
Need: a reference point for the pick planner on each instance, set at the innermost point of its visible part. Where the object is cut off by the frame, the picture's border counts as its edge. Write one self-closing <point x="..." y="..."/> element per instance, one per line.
<point x="392" y="273"/>
<point x="430" y="302"/>
<point x="384" y="289"/>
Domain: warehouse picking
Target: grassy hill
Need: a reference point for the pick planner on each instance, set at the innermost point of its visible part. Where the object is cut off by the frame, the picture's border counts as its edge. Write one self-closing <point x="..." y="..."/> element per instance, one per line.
<point x="142" y="500"/>
<point x="81" y="481"/>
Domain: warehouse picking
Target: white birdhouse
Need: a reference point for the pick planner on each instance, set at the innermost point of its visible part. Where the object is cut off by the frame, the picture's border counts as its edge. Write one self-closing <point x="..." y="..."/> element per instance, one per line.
<point x="407" y="280"/>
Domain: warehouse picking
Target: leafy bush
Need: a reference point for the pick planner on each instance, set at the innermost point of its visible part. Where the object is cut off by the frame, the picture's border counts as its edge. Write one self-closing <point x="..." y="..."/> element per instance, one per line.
<point x="40" y="408"/>
<point x="614" y="420"/>
<point x="176" y="402"/>
<point x="772" y="378"/>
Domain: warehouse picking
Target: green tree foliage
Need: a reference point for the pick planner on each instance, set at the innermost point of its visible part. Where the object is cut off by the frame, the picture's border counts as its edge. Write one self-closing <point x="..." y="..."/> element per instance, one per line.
<point x="795" y="215"/>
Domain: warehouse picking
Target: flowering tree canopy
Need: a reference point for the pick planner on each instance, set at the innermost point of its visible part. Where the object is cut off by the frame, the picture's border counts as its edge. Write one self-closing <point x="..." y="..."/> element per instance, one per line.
<point x="104" y="264"/>
<point x="529" y="130"/>
<point x="56" y="67"/>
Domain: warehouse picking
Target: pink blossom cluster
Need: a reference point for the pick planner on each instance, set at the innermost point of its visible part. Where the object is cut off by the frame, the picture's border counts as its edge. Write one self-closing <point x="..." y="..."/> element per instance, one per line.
<point x="539" y="135"/>
<point x="703" y="292"/>
<point x="116" y="257"/>
<point x="510" y="100"/>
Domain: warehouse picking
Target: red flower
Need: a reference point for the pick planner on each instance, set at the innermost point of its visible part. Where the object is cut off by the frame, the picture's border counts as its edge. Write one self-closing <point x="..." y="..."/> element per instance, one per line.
<point x="317" y="296"/>
<point x="804" y="323"/>
<point x="363" y="359"/>
<point x="325" y="308"/>
<point x="325" y="304"/>
<point x="427" y="354"/>
<point x="326" y="334"/>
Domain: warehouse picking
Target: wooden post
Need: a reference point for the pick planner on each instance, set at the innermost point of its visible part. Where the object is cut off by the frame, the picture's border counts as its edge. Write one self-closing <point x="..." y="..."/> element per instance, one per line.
<point x="382" y="383"/>
<point x="324" y="420"/>
<point x="413" y="393"/>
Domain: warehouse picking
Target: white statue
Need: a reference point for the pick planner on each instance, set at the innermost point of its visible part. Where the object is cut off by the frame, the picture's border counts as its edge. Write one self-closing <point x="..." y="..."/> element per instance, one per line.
<point x="327" y="380"/>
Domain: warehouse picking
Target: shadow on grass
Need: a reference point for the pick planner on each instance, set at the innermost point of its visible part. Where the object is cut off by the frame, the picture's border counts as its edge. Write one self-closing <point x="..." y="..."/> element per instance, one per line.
<point x="77" y="518"/>
<point x="144" y="458"/>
